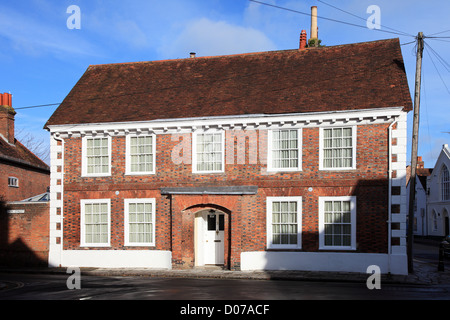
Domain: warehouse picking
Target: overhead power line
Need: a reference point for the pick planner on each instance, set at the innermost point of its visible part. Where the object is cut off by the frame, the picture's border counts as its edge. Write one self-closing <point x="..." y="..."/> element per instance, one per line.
<point x="364" y="19"/>
<point x="329" y="19"/>
<point x="38" y="106"/>
<point x="433" y="34"/>
<point x="437" y="70"/>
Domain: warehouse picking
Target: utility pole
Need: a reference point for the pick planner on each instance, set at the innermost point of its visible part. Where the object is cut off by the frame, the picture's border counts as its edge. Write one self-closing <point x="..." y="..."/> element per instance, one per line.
<point x="414" y="147"/>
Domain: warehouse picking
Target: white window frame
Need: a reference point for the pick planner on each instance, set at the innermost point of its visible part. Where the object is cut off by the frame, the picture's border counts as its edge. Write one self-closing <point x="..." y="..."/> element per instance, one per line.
<point x="322" y="201"/>
<point x="434" y="218"/>
<point x="194" y="151"/>
<point x="127" y="241"/>
<point x="269" y="227"/>
<point x="83" y="242"/>
<point x="13" y="182"/>
<point x="444" y="183"/>
<point x="270" y="166"/>
<point x="321" y="148"/>
<point x="84" y="166"/>
<point x="128" y="155"/>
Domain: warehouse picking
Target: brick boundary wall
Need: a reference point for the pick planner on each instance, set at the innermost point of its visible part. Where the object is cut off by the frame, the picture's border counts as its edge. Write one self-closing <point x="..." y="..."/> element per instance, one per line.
<point x="24" y="234"/>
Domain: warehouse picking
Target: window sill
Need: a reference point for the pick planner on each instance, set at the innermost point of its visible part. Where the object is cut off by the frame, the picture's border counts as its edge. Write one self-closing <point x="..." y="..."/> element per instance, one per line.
<point x="283" y="170"/>
<point x="140" y="173"/>
<point x="87" y="246"/>
<point x="337" y="169"/>
<point x="96" y="175"/>
<point x="337" y="249"/>
<point x="297" y="249"/>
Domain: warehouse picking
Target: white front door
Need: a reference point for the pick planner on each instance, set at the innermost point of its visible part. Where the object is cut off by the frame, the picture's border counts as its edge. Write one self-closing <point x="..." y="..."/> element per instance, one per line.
<point x="214" y="238"/>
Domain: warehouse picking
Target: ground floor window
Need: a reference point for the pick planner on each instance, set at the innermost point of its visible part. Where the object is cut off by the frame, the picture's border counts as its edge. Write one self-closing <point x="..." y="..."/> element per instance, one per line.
<point x="337" y="223"/>
<point x="284" y="222"/>
<point x="139" y="222"/>
<point x="95" y="222"/>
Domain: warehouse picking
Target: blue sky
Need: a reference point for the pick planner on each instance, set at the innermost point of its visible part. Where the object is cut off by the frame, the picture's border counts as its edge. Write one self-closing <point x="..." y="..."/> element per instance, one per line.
<point x="41" y="59"/>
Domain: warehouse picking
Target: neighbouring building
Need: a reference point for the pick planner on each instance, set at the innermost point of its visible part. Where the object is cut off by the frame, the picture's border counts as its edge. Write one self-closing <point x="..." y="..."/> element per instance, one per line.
<point x="439" y="195"/>
<point x="24" y="232"/>
<point x="292" y="159"/>
<point x="420" y="222"/>
<point x="22" y="173"/>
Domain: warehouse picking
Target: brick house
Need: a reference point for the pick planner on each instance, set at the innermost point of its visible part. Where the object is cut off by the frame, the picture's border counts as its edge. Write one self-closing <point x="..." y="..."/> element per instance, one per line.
<point x="289" y="159"/>
<point x="22" y="173"/>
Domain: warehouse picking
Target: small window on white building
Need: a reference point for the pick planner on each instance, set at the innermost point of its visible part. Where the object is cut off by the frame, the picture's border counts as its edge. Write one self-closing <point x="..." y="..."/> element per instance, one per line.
<point x="435" y="220"/>
<point x="13" y="182"/>
<point x="445" y="183"/>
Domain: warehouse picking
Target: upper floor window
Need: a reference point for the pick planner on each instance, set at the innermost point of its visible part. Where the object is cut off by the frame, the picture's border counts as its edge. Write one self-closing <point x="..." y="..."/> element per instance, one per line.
<point x="140" y="154"/>
<point x="13" y="182"/>
<point x="208" y="152"/>
<point x="337" y="148"/>
<point x="96" y="156"/>
<point x="445" y="184"/>
<point x="284" y="150"/>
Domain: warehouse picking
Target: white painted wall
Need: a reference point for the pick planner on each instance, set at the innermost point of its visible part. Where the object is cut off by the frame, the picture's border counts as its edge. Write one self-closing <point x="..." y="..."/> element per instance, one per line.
<point x="435" y="202"/>
<point x="323" y="261"/>
<point x="155" y="259"/>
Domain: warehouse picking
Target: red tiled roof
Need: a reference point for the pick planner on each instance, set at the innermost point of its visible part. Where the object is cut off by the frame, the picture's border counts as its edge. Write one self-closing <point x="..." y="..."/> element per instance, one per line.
<point x="18" y="153"/>
<point x="356" y="76"/>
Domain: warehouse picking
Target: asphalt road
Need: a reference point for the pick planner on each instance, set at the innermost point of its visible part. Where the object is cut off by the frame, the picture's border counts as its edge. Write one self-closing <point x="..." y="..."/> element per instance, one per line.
<point x="54" y="287"/>
<point x="16" y="286"/>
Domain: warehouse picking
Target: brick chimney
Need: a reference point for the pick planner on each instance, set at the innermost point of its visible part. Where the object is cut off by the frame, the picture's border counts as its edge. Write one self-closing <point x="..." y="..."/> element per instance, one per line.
<point x="303" y="40"/>
<point x="420" y="162"/>
<point x="7" y="114"/>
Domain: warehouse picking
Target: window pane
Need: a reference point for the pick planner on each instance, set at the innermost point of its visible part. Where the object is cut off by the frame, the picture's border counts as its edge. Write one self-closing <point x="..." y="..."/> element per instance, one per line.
<point x="96" y="223"/>
<point x="337" y="148"/>
<point x="285" y="153"/>
<point x="141" y="154"/>
<point x="337" y="223"/>
<point x="284" y="222"/>
<point x="209" y="151"/>
<point x="140" y="222"/>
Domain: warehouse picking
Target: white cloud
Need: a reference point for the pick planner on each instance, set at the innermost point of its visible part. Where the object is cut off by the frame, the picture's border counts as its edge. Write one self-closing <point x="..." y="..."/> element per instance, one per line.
<point x="128" y="31"/>
<point x="209" y="38"/>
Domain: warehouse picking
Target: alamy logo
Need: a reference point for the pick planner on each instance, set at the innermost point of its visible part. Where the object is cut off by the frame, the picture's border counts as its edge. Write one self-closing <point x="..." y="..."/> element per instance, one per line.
<point x="374" y="281"/>
<point x="374" y="21"/>
<point x="74" y="281"/>
<point x="74" y="20"/>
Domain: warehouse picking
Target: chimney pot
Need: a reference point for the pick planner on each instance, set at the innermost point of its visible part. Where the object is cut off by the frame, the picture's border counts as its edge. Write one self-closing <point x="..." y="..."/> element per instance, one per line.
<point x="302" y="40"/>
<point x="314" y="28"/>
<point x="192" y="54"/>
<point x="7" y="114"/>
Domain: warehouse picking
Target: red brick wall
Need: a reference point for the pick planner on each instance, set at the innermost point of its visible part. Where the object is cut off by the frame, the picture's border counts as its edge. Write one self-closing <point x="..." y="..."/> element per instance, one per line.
<point x="24" y="235"/>
<point x="31" y="182"/>
<point x="247" y="214"/>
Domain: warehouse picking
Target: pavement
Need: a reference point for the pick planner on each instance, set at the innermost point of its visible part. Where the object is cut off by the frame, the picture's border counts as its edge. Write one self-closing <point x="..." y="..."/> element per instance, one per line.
<point x="425" y="272"/>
